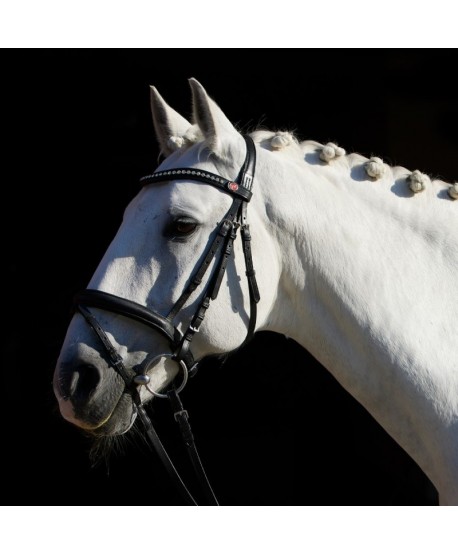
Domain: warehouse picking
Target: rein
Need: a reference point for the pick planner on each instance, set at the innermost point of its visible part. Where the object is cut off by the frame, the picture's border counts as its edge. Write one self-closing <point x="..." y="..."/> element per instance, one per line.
<point x="221" y="250"/>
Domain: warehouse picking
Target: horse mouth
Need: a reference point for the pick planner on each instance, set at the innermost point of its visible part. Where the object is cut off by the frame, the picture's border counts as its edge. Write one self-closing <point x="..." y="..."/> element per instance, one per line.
<point x="120" y="419"/>
<point x="109" y="414"/>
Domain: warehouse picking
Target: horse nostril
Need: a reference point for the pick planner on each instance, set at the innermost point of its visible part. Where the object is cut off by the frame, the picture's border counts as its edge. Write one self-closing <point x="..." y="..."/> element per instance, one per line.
<point x="83" y="383"/>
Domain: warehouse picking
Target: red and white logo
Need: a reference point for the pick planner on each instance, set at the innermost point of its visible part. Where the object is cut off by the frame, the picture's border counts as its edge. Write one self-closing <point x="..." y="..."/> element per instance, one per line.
<point x="233" y="187"/>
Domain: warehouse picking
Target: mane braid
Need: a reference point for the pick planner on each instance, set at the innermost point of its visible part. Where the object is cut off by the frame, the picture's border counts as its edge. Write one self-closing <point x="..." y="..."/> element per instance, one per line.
<point x="331" y="154"/>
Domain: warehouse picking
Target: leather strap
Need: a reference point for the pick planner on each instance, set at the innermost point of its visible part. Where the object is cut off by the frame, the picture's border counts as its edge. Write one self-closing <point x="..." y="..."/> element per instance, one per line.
<point x="221" y="269"/>
<point x="188" y="174"/>
<point x="182" y="418"/>
<point x="114" y="358"/>
<point x="164" y="457"/>
<point x="135" y="311"/>
<point x="128" y="308"/>
<point x="196" y="280"/>
<point x="246" y="174"/>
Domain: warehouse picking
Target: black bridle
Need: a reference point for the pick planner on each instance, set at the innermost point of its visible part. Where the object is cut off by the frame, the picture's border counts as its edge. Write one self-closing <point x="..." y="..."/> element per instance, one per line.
<point x="220" y="249"/>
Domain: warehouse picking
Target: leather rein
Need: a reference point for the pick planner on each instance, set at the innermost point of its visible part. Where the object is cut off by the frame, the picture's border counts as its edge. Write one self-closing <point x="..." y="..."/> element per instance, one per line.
<point x="219" y="250"/>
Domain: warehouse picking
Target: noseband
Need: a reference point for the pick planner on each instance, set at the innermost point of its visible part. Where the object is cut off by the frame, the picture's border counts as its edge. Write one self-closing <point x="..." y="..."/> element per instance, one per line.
<point x="219" y="250"/>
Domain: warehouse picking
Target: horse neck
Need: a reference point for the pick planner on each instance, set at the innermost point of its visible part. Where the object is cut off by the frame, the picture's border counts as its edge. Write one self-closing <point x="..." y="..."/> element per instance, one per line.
<point x="357" y="290"/>
<point x="348" y="243"/>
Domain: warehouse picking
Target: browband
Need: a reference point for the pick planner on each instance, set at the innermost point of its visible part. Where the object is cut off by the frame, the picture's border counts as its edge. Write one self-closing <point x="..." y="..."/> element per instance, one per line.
<point x="241" y="187"/>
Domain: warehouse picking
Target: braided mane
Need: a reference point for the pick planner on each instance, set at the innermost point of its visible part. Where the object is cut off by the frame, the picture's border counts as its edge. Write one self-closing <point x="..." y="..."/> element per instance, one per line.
<point x="373" y="169"/>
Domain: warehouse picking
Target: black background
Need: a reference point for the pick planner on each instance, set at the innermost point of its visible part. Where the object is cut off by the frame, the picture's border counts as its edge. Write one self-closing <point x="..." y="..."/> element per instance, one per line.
<point x="272" y="425"/>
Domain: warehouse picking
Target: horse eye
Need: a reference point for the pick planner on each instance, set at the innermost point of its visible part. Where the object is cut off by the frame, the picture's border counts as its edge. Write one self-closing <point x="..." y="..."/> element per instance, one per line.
<point x="183" y="227"/>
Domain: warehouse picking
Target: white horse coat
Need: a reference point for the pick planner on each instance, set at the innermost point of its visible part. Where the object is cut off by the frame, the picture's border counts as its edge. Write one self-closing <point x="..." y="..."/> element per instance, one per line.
<point x="351" y="263"/>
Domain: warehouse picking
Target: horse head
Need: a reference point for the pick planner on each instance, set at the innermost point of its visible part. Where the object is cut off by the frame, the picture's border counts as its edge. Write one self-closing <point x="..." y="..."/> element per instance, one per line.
<point x="166" y="235"/>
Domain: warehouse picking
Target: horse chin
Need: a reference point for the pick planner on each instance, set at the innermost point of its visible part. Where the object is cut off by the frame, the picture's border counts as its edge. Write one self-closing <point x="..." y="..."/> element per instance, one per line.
<point x="120" y="421"/>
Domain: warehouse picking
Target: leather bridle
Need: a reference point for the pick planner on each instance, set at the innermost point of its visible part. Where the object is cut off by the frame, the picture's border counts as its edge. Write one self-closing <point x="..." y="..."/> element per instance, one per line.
<point x="219" y="250"/>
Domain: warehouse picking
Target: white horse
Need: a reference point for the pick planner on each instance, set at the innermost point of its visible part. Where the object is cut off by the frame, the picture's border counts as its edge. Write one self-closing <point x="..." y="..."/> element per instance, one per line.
<point x="356" y="260"/>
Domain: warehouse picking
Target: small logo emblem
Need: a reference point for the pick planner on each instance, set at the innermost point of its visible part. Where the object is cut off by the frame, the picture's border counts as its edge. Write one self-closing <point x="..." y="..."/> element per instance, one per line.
<point x="233" y="187"/>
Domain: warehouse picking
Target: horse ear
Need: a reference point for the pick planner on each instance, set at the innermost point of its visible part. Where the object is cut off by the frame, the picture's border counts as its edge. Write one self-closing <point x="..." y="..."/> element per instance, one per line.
<point x="215" y="126"/>
<point x="169" y="125"/>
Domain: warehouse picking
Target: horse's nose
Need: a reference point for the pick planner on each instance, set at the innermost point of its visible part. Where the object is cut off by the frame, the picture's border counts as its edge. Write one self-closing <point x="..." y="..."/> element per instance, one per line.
<point x="79" y="383"/>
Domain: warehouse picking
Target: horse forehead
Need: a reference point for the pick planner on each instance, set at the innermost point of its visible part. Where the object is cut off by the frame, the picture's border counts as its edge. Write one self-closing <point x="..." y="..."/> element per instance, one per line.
<point x="196" y="156"/>
<point x="195" y="198"/>
<point x="179" y="198"/>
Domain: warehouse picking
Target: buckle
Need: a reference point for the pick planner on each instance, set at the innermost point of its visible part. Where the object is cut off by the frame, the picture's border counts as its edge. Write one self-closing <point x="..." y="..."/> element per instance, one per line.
<point x="180" y="413"/>
<point x="224" y="227"/>
<point x="193" y="370"/>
